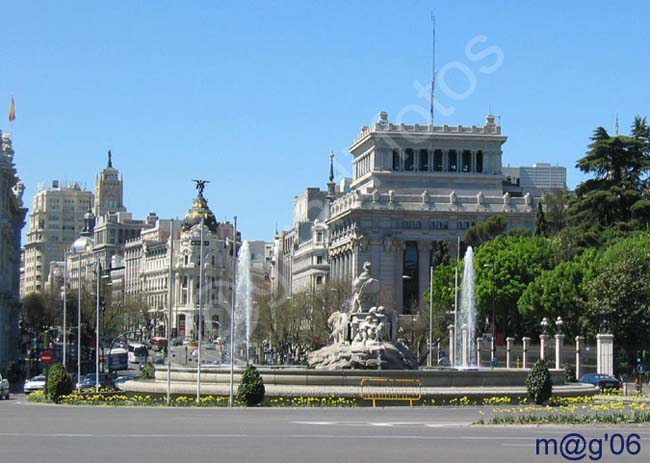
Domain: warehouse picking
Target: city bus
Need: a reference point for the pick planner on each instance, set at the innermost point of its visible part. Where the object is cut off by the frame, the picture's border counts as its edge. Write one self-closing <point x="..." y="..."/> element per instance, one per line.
<point x="137" y="352"/>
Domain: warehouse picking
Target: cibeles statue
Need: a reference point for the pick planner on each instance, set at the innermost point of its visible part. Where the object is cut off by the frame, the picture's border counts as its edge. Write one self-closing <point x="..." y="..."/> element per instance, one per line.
<point x="364" y="334"/>
<point x="366" y="291"/>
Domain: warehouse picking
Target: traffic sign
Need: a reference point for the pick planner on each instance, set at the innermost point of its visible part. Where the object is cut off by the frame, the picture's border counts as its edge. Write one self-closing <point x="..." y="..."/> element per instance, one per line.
<point x="46" y="357"/>
<point x="640" y="368"/>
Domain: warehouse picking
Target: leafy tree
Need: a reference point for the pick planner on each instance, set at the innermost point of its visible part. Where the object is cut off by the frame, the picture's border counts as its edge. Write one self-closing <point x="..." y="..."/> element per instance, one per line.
<point x="558" y="292"/>
<point x="556" y="203"/>
<point x="619" y="166"/>
<point x="251" y="387"/>
<point x="617" y="293"/>
<point x="483" y="232"/>
<point x="541" y="226"/>
<point x="36" y="314"/>
<point x="505" y="267"/>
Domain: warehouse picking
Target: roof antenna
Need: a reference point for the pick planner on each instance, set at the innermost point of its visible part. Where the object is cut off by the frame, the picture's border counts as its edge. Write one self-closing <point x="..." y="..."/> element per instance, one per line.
<point x="433" y="65"/>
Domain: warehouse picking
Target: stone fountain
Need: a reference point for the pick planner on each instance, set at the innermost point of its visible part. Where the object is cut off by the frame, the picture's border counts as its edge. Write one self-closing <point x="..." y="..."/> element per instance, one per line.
<point x="365" y="335"/>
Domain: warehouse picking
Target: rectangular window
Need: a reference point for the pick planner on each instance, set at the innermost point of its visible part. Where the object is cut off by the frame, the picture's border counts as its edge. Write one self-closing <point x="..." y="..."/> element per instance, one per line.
<point x="395" y="160"/>
<point x="319" y="259"/>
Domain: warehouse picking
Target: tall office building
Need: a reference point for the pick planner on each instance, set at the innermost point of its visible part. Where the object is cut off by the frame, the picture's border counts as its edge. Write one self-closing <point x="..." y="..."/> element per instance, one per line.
<point x="55" y="220"/>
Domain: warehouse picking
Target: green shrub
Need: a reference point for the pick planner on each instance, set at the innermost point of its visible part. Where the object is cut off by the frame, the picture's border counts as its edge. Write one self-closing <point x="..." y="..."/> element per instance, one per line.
<point x="58" y="383"/>
<point x="569" y="373"/>
<point x="251" y="387"/>
<point x="539" y="383"/>
<point x="148" y="371"/>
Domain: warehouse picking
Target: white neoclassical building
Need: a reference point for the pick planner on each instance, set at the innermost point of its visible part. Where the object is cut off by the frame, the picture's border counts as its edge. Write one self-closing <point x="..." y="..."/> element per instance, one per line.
<point x="413" y="187"/>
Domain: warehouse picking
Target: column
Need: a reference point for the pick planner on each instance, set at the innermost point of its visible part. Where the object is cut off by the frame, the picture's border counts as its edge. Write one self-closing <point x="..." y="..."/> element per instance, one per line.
<point x="473" y="156"/>
<point x="525" y="343"/>
<point x="578" y="340"/>
<point x="509" y="342"/>
<point x="445" y="159"/>
<point x="479" y="340"/>
<point x="424" y="263"/>
<point x="559" y="339"/>
<point x="452" y="342"/>
<point x="543" y="341"/>
<point x="605" y="352"/>
<point x="464" y="346"/>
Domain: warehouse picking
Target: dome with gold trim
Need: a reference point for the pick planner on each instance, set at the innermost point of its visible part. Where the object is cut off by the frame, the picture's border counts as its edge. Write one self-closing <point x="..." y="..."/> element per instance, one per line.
<point x="199" y="210"/>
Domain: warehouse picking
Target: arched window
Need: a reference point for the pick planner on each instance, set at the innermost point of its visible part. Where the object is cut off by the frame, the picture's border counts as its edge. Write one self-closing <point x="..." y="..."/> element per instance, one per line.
<point x="410" y="278"/>
<point x="409" y="159"/>
<point x="479" y="161"/>
<point x="453" y="161"/>
<point x="424" y="160"/>
<point x="467" y="161"/>
<point x="437" y="161"/>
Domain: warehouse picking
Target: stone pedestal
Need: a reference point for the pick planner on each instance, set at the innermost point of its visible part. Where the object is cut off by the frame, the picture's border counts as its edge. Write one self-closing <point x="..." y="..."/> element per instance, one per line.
<point x="605" y="353"/>
<point x="543" y="342"/>
<point x="509" y="342"/>
<point x="452" y="345"/>
<point x="525" y="343"/>
<point x="464" y="360"/>
<point x="559" y="340"/>
<point x="579" y="340"/>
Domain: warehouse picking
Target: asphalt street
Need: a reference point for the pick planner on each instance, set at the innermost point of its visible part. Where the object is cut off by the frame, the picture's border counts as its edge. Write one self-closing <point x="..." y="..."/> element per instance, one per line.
<point x="64" y="434"/>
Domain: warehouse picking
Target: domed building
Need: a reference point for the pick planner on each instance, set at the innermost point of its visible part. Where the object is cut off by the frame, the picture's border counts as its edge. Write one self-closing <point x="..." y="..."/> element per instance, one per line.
<point x="147" y="262"/>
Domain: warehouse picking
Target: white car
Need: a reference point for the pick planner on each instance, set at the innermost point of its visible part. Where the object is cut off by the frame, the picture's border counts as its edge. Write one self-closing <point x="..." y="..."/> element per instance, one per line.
<point x="37" y="383"/>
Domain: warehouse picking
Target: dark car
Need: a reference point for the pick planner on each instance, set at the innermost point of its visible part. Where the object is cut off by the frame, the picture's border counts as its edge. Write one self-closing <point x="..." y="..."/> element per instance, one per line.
<point x="88" y="381"/>
<point x="601" y="380"/>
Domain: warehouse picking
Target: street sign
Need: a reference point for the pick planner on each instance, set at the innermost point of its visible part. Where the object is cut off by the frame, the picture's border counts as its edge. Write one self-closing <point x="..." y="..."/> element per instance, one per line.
<point x="46" y="357"/>
<point x="640" y="368"/>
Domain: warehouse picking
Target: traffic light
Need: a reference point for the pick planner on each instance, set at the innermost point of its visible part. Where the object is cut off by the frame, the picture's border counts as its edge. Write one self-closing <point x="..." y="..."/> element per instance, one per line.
<point x="639" y="359"/>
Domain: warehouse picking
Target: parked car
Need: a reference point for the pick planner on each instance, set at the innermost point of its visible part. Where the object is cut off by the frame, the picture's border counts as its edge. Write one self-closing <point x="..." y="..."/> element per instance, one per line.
<point x="37" y="383"/>
<point x="4" y="388"/>
<point x="601" y="380"/>
<point x="88" y="381"/>
<point x="120" y="380"/>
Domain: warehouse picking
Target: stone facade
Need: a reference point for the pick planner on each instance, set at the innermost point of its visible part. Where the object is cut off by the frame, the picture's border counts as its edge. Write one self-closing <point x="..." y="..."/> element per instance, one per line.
<point x="412" y="187"/>
<point x="12" y="220"/>
<point x="55" y="221"/>
<point x="109" y="190"/>
<point x="146" y="272"/>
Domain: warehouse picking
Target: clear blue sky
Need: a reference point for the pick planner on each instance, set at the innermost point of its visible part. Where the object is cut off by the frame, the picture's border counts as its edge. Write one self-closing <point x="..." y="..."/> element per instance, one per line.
<point x="253" y="95"/>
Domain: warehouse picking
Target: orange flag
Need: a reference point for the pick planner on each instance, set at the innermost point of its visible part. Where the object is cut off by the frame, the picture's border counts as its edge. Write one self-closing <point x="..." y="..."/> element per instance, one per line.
<point x="12" y="110"/>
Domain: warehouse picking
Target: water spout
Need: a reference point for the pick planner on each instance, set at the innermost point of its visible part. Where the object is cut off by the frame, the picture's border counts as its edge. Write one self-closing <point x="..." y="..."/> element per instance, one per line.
<point x="466" y="316"/>
<point x="243" y="304"/>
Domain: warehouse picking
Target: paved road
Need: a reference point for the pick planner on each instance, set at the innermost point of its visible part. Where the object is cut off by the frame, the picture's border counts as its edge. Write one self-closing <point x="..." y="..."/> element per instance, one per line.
<point x="64" y="434"/>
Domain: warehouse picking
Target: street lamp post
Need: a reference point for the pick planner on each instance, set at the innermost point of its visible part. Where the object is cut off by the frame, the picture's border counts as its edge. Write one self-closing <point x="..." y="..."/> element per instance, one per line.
<point x="430" y="361"/>
<point x="98" y="268"/>
<point x="232" y="315"/>
<point x="494" y="321"/>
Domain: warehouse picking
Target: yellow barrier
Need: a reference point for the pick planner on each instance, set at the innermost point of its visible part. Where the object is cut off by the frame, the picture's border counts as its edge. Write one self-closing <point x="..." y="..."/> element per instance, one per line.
<point x="391" y="389"/>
